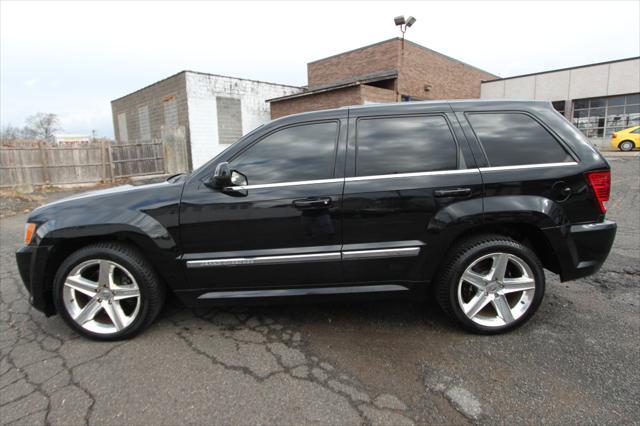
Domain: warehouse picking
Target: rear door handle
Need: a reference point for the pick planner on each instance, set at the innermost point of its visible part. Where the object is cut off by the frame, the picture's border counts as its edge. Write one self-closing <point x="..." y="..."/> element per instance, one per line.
<point x="457" y="192"/>
<point x="307" y="203"/>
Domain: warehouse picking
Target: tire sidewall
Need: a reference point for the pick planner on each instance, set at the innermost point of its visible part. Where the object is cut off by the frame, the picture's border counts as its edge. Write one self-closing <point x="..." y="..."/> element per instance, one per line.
<point x="623" y="144"/>
<point x="474" y="253"/>
<point x="106" y="254"/>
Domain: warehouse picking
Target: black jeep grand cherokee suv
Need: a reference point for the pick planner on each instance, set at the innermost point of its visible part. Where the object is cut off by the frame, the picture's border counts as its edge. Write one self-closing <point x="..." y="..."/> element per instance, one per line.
<point x="471" y="199"/>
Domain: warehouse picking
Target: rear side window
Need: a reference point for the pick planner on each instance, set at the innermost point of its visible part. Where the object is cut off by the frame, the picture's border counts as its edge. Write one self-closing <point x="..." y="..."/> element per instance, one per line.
<point x="305" y="152"/>
<point x="512" y="139"/>
<point x="404" y="145"/>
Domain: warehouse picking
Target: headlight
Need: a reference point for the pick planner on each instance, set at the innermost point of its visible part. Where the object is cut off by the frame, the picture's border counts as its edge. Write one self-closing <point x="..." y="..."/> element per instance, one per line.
<point x="29" y="232"/>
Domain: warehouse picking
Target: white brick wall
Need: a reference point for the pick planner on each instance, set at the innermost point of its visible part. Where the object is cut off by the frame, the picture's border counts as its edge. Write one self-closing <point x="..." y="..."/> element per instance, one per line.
<point x="202" y="90"/>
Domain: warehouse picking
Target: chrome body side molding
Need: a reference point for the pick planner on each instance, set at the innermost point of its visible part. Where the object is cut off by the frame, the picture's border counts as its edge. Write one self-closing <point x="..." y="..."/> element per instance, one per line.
<point x="400" y="176"/>
<point x="528" y="166"/>
<point x="264" y="260"/>
<point x="303" y="258"/>
<point x="247" y="294"/>
<point x="372" y="254"/>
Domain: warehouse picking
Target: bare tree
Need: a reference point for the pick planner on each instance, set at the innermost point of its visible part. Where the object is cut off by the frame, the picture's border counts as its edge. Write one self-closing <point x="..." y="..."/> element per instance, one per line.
<point x="10" y="133"/>
<point x="42" y="126"/>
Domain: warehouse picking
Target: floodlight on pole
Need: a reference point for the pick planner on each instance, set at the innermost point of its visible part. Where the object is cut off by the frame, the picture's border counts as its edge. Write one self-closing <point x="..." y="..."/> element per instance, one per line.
<point x="404" y="24"/>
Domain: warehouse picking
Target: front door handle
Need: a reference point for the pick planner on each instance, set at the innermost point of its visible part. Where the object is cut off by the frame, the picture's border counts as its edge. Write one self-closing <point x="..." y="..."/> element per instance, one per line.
<point x="307" y="203"/>
<point x="457" y="192"/>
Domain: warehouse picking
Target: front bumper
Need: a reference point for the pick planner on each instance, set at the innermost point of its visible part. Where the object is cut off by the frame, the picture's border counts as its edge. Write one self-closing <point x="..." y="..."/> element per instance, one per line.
<point x="582" y="249"/>
<point x="32" y="261"/>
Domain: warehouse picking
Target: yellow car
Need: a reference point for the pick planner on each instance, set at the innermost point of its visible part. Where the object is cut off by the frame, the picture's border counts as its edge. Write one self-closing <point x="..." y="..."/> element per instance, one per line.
<point x="626" y="139"/>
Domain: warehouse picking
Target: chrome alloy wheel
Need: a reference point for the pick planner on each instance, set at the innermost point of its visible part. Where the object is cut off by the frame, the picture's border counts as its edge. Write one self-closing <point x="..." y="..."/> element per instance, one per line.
<point x="101" y="296"/>
<point x="496" y="289"/>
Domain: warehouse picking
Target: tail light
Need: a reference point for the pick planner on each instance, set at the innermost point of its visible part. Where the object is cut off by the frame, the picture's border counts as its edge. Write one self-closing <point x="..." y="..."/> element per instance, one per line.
<point x="615" y="135"/>
<point x="601" y="184"/>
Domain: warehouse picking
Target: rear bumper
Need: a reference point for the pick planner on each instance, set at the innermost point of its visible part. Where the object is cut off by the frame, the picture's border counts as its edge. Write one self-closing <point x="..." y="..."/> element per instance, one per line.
<point x="584" y="247"/>
<point x="32" y="262"/>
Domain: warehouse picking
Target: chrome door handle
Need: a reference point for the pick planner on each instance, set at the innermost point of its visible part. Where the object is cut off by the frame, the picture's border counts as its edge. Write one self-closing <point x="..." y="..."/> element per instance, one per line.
<point x="457" y="192"/>
<point x="306" y="203"/>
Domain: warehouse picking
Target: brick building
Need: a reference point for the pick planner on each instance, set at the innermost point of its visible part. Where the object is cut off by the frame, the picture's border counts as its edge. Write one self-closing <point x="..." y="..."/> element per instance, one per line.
<point x="212" y="111"/>
<point x="388" y="71"/>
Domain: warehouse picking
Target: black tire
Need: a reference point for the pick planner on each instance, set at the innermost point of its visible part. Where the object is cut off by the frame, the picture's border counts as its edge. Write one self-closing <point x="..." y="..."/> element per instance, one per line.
<point x="626" y="146"/>
<point x="151" y="289"/>
<point x="464" y="254"/>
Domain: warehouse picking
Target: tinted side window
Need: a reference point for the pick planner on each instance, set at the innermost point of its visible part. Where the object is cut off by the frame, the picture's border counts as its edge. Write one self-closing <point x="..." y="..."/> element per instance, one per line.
<point x="512" y="139"/>
<point x="404" y="145"/>
<point x="305" y="152"/>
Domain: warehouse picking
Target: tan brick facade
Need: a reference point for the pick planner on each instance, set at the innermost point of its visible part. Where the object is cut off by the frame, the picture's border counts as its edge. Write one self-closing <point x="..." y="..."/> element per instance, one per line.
<point x="371" y="94"/>
<point x="449" y="79"/>
<point x="332" y="99"/>
<point x="411" y="71"/>
<point x="370" y="59"/>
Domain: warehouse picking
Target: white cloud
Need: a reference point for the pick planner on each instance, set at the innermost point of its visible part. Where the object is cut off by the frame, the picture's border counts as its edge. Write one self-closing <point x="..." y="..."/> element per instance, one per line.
<point x="31" y="82"/>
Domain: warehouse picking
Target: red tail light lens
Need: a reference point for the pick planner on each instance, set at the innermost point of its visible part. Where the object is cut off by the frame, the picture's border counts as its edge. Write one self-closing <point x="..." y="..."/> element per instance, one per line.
<point x="601" y="184"/>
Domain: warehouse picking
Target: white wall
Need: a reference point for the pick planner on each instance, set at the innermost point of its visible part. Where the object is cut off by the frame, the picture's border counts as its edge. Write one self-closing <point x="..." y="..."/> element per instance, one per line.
<point x="202" y="90"/>
<point x="618" y="78"/>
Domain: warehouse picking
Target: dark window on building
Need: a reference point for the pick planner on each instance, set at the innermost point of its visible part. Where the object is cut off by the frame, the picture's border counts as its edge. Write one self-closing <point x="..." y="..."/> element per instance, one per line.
<point x="305" y="152"/>
<point x="600" y="117"/>
<point x="559" y="106"/>
<point x="404" y="145"/>
<point x="511" y="139"/>
<point x="229" y="119"/>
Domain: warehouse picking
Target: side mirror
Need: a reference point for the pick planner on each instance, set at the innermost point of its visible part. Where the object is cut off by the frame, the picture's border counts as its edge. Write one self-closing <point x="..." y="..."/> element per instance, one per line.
<point x="222" y="175"/>
<point x="238" y="179"/>
<point x="225" y="178"/>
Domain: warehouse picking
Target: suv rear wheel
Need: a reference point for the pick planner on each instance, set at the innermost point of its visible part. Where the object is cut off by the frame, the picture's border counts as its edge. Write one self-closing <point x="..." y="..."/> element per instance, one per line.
<point x="491" y="284"/>
<point x="107" y="291"/>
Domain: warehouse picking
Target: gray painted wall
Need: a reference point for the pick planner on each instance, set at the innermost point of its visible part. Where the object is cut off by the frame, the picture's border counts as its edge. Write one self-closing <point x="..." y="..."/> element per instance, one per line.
<point x="616" y="78"/>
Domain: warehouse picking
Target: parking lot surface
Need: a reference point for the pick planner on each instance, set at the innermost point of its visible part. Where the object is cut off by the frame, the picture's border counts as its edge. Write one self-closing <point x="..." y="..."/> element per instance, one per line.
<point x="576" y="361"/>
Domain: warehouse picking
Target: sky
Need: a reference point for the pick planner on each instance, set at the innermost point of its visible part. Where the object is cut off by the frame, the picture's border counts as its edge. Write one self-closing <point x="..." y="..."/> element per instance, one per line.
<point x="73" y="58"/>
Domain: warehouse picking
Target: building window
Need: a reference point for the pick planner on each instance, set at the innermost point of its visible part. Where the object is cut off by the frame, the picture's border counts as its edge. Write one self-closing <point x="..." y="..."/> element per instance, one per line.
<point x="122" y="127"/>
<point x="143" y="122"/>
<point x="600" y="117"/>
<point x="170" y="111"/>
<point x="559" y="106"/>
<point x="229" y="119"/>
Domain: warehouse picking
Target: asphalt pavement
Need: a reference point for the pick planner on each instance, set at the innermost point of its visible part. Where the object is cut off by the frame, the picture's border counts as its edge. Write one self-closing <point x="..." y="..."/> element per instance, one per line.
<point x="576" y="362"/>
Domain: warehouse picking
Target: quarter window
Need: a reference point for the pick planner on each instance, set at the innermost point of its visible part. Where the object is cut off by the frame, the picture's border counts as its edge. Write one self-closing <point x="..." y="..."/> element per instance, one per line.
<point x="511" y="139"/>
<point x="305" y="152"/>
<point x="404" y="145"/>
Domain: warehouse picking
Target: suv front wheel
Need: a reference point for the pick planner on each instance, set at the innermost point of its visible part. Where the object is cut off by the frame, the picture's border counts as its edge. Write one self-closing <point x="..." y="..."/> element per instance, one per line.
<point x="491" y="284"/>
<point x="107" y="291"/>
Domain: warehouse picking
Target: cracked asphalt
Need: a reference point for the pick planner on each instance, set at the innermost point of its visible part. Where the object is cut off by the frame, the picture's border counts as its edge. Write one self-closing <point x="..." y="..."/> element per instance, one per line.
<point x="577" y="361"/>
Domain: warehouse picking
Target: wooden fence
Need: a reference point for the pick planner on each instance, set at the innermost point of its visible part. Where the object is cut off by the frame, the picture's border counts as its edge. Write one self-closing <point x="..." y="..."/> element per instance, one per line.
<point x="136" y="159"/>
<point x="97" y="162"/>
